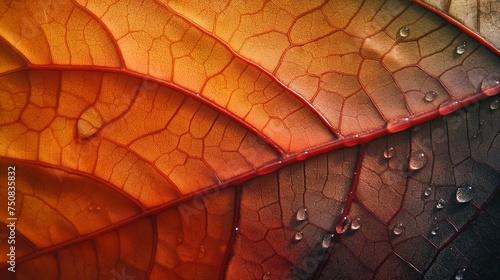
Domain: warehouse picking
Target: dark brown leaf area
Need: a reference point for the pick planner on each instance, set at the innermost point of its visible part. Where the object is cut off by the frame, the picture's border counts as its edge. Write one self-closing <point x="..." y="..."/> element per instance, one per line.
<point x="466" y="234"/>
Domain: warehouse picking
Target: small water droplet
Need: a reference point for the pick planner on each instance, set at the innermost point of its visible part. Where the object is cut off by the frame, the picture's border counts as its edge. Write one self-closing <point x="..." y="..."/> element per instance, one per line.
<point x="301" y="214"/>
<point x="346" y="222"/>
<point x="495" y="104"/>
<point x="266" y="276"/>
<point x="237" y="230"/>
<point x="404" y="32"/>
<point x="461" y="48"/>
<point x="398" y="229"/>
<point x="460" y="274"/>
<point x="491" y="84"/>
<point x="355" y="225"/>
<point x="89" y="123"/>
<point x="440" y="204"/>
<point x="299" y="235"/>
<point x="430" y="96"/>
<point x="94" y="206"/>
<point x="202" y="248"/>
<point x="476" y="135"/>
<point x="389" y="152"/>
<point x="327" y="240"/>
<point x="427" y="191"/>
<point x="434" y="231"/>
<point x="465" y="193"/>
<point x="482" y="122"/>
<point x="418" y="160"/>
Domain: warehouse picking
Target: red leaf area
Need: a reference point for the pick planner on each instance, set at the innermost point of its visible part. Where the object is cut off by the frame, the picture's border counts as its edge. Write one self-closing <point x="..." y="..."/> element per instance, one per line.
<point x="246" y="140"/>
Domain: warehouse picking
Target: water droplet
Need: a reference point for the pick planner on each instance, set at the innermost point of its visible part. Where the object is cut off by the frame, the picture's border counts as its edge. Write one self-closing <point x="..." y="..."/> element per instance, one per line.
<point x="389" y="152"/>
<point x="398" y="229"/>
<point x="481" y="122"/>
<point x="94" y="206"/>
<point x="237" y="230"/>
<point x="427" y="191"/>
<point x="355" y="225"/>
<point x="327" y="240"/>
<point x="301" y="214"/>
<point x="440" y="204"/>
<point x="430" y="96"/>
<point x="495" y="104"/>
<point x="404" y="32"/>
<point x="202" y="248"/>
<point x="266" y="276"/>
<point x="434" y="231"/>
<point x="476" y="135"/>
<point x="460" y="274"/>
<point x="461" y="48"/>
<point x="491" y="84"/>
<point x="89" y="123"/>
<point x="346" y="222"/>
<point x="299" y="235"/>
<point x="465" y="193"/>
<point x="418" y="160"/>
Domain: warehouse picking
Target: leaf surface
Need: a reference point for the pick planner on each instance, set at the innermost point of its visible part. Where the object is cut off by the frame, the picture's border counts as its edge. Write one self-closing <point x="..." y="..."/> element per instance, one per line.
<point x="178" y="140"/>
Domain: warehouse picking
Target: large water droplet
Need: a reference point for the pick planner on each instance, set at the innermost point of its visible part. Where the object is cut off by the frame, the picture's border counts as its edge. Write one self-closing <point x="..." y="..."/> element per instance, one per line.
<point x="299" y="235"/>
<point x="430" y="96"/>
<point x="491" y="84"/>
<point x="389" y="152"/>
<point x="266" y="276"/>
<point x="404" y="32"/>
<point x="465" y="193"/>
<point x="301" y="214"/>
<point x="355" y="225"/>
<point x="418" y="160"/>
<point x="327" y="240"/>
<point x="89" y="123"/>
<point x="440" y="204"/>
<point x="427" y="191"/>
<point x="398" y="229"/>
<point x="461" y="48"/>
<point x="460" y="274"/>
<point x="434" y="231"/>
<point x="495" y="104"/>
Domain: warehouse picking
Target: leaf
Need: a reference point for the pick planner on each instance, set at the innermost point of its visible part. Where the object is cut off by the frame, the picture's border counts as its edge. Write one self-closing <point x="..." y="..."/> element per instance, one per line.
<point x="171" y="139"/>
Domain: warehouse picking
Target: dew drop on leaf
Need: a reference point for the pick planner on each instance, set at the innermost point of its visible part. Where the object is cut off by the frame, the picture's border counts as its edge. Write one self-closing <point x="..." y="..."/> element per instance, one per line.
<point x="89" y="123"/>
<point x="494" y="104"/>
<point x="299" y="235"/>
<point x="491" y="84"/>
<point x="404" y="32"/>
<point x="427" y="191"/>
<point x="301" y="214"/>
<point x="465" y="193"/>
<point x="460" y="274"/>
<point x="398" y="229"/>
<point x="266" y="276"/>
<point x="430" y="96"/>
<point x="389" y="152"/>
<point x="461" y="48"/>
<point x="418" y="160"/>
<point x="355" y="225"/>
<point x="327" y="240"/>
<point x="440" y="204"/>
<point x="434" y="231"/>
<point x="476" y="135"/>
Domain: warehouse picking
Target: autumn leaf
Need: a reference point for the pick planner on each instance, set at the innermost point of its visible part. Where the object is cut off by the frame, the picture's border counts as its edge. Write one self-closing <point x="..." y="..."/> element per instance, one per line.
<point x="160" y="139"/>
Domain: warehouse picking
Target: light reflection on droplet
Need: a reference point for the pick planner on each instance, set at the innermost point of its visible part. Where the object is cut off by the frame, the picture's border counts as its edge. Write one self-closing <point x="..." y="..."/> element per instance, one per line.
<point x="355" y="225"/>
<point x="440" y="204"/>
<point x="389" y="152"/>
<point x="404" y="32"/>
<point x="430" y="96"/>
<point x="301" y="214"/>
<point x="418" y="160"/>
<point x="461" y="48"/>
<point x="427" y="191"/>
<point x="327" y="240"/>
<point x="465" y="193"/>
<point x="495" y="104"/>
<point x="491" y="84"/>
<point x="299" y="235"/>
<point x="398" y="229"/>
<point x="434" y="231"/>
